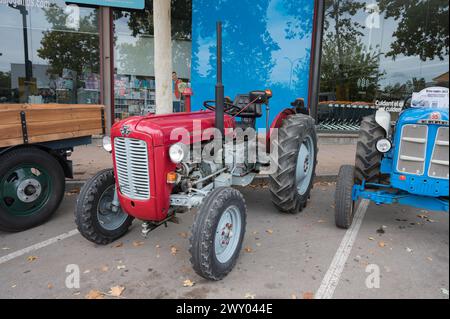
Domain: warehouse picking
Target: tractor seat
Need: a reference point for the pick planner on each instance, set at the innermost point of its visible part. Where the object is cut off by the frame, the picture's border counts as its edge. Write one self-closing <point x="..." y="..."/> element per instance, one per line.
<point x="252" y="111"/>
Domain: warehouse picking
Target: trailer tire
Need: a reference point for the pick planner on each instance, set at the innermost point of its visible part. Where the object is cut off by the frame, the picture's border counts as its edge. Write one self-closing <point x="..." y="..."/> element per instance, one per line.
<point x="296" y="135"/>
<point x="368" y="158"/>
<point x="92" y="214"/>
<point x="211" y="257"/>
<point x="31" y="188"/>
<point x="344" y="206"/>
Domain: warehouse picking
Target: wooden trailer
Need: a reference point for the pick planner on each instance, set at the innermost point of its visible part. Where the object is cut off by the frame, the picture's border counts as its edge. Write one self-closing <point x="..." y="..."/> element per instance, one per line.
<point x="35" y="143"/>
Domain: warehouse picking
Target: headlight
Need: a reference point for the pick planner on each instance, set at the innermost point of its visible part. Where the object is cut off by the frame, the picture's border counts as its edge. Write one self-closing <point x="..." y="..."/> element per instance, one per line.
<point x="177" y="152"/>
<point x="384" y="145"/>
<point x="107" y="144"/>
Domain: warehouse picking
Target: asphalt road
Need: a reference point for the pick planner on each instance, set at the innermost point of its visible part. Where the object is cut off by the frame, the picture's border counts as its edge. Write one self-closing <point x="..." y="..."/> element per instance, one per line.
<point x="284" y="256"/>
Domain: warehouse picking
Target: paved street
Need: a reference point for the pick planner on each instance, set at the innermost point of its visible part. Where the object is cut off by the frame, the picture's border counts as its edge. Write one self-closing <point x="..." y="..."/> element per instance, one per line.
<point x="283" y="256"/>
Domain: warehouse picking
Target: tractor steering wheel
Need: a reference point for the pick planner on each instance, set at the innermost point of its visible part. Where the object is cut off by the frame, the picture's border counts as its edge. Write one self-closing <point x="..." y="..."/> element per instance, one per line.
<point x="229" y="107"/>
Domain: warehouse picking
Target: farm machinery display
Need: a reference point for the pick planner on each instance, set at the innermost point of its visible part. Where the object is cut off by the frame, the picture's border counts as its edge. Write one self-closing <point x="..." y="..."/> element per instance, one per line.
<point x="157" y="176"/>
<point x="406" y="162"/>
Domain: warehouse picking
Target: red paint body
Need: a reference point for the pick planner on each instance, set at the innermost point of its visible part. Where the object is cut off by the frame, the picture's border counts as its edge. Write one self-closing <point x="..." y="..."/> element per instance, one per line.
<point x="156" y="131"/>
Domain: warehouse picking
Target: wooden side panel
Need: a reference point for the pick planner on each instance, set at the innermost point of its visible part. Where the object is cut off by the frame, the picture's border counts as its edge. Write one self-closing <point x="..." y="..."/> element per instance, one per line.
<point x="48" y="122"/>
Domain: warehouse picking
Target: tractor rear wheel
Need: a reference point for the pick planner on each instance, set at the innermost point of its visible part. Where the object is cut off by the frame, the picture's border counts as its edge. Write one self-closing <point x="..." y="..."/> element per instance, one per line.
<point x="368" y="158"/>
<point x="291" y="184"/>
<point x="94" y="216"/>
<point x="217" y="233"/>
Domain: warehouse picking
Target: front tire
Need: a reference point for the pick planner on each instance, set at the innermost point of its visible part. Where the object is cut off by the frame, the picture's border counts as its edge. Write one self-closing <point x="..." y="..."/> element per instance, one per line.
<point x="31" y="188"/>
<point x="217" y="233"/>
<point x="344" y="206"/>
<point x="291" y="184"/>
<point x="95" y="219"/>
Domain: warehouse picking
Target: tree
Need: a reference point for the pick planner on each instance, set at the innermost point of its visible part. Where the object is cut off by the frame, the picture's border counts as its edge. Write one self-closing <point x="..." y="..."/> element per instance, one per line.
<point x="5" y="86"/>
<point x="422" y="29"/>
<point x="66" y="48"/>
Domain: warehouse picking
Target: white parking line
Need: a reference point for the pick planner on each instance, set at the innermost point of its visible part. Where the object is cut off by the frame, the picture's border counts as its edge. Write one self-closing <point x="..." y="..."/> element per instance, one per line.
<point x="331" y="279"/>
<point x="37" y="246"/>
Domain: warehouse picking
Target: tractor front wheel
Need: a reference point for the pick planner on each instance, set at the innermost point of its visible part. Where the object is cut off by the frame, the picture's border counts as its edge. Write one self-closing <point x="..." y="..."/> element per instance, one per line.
<point x="292" y="182"/>
<point x="96" y="219"/>
<point x="218" y="233"/>
<point x="344" y="206"/>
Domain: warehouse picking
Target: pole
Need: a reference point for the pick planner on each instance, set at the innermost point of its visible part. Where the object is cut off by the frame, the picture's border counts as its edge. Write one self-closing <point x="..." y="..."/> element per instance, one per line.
<point x="219" y="85"/>
<point x="163" y="56"/>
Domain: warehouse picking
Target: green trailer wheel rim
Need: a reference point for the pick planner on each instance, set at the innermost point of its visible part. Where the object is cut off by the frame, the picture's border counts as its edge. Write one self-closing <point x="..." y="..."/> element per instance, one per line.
<point x="25" y="189"/>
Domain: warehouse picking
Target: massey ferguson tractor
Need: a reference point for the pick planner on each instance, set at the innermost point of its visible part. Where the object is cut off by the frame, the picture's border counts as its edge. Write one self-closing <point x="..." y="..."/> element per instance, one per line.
<point x="156" y="174"/>
<point x="404" y="162"/>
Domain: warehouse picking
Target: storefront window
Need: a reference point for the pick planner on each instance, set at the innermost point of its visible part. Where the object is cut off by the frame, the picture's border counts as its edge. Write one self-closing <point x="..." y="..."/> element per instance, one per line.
<point x="49" y="53"/>
<point x="375" y="54"/>
<point x="134" y="78"/>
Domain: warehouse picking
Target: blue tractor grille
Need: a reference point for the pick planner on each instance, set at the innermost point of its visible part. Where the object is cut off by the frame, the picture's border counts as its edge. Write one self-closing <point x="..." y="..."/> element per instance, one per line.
<point x="439" y="159"/>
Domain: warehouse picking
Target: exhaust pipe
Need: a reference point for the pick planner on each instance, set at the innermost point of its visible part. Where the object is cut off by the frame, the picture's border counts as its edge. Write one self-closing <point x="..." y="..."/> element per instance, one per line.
<point x="219" y="121"/>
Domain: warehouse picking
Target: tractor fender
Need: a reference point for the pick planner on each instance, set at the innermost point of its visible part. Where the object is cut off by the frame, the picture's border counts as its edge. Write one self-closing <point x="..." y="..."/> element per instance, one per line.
<point x="277" y="122"/>
<point x="383" y="118"/>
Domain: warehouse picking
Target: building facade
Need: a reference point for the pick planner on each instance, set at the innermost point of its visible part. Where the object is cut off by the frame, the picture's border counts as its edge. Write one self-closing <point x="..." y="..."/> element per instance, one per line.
<point x="345" y="57"/>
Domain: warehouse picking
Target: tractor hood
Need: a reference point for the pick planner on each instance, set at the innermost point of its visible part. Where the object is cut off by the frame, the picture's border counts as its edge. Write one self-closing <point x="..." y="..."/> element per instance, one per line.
<point x="169" y="128"/>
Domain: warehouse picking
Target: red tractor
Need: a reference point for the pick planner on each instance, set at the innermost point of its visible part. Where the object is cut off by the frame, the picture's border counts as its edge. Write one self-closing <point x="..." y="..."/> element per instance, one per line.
<point x="156" y="175"/>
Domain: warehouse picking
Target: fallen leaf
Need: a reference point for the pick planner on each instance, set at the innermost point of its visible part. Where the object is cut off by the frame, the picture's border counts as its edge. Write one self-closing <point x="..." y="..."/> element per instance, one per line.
<point x="431" y="220"/>
<point x="371" y="238"/>
<point x="13" y="286"/>
<point x="188" y="283"/>
<point x="50" y="286"/>
<point x="249" y="296"/>
<point x="138" y="243"/>
<point x="422" y="216"/>
<point x="31" y="258"/>
<point x="255" y="233"/>
<point x="269" y="231"/>
<point x="382" y="244"/>
<point x="173" y="250"/>
<point x="430" y="259"/>
<point x="409" y="250"/>
<point x="308" y="295"/>
<point x="121" y="267"/>
<point x="86" y="271"/>
<point x="320" y="221"/>
<point x="248" y="249"/>
<point x="6" y="248"/>
<point x="104" y="268"/>
<point x="158" y="246"/>
<point x="444" y="291"/>
<point x="184" y="235"/>
<point x="76" y="293"/>
<point x="118" y="245"/>
<point x="116" y="291"/>
<point x="95" y="294"/>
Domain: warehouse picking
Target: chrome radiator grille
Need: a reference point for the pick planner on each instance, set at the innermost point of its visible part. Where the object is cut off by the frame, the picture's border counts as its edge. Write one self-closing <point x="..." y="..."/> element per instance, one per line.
<point x="413" y="147"/>
<point x="439" y="160"/>
<point x="132" y="167"/>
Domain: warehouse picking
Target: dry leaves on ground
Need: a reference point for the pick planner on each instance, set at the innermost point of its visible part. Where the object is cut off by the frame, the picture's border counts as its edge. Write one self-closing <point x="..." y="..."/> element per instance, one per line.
<point x="104" y="268"/>
<point x="183" y="234"/>
<point x="248" y="249"/>
<point x="382" y="244"/>
<point x="173" y="250"/>
<point x="308" y="295"/>
<point x="95" y="294"/>
<point x="138" y="243"/>
<point x="269" y="231"/>
<point x="32" y="258"/>
<point x="188" y="283"/>
<point x="116" y="291"/>
<point x="249" y="296"/>
<point x="118" y="245"/>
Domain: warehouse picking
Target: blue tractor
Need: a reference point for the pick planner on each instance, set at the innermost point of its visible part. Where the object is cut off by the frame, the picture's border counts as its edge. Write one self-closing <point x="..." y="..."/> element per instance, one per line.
<point x="404" y="161"/>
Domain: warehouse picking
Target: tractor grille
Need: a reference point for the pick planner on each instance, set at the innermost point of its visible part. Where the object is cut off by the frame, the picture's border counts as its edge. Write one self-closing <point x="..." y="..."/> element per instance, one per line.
<point x="439" y="160"/>
<point x="132" y="167"/>
<point x="413" y="146"/>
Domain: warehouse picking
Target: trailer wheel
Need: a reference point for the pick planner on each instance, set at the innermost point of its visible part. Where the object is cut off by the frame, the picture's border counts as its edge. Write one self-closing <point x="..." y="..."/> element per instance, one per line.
<point x="368" y="159"/>
<point x="217" y="233"/>
<point x="31" y="188"/>
<point x="291" y="184"/>
<point x="343" y="202"/>
<point x="94" y="216"/>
